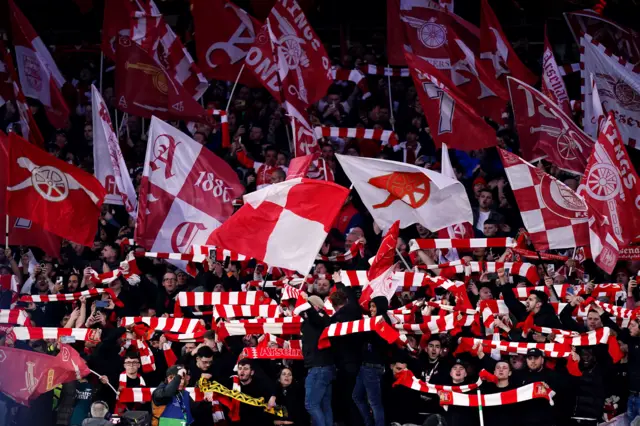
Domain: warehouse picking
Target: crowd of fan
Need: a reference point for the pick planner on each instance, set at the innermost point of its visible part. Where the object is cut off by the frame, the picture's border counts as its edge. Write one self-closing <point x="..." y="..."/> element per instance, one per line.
<point x="349" y="383"/>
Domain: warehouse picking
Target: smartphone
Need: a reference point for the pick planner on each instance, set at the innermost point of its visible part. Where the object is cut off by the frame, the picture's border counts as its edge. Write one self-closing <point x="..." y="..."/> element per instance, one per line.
<point x="551" y="269"/>
<point x="21" y="304"/>
<point x="586" y="278"/>
<point x="67" y="339"/>
<point x="102" y="304"/>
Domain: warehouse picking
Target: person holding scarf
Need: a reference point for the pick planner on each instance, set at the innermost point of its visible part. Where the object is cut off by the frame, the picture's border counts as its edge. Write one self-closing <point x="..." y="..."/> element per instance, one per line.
<point x="170" y="402"/>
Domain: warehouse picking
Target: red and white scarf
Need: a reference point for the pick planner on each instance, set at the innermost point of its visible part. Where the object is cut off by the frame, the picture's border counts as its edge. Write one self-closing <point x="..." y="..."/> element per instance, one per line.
<point x="535" y="390"/>
<point x="404" y="280"/>
<point x="460" y="243"/>
<point x="173" y="325"/>
<point x="221" y="254"/>
<point x="52" y="333"/>
<point x="385" y="71"/>
<point x="129" y="395"/>
<point x="355" y="76"/>
<point x="350" y="254"/>
<point x="128" y="269"/>
<point x="123" y="380"/>
<point x="14" y="316"/>
<point x="407" y="379"/>
<point x="236" y="311"/>
<point x="224" y="125"/>
<point x="387" y="137"/>
<point x="267" y="338"/>
<point x="377" y="324"/>
<point x="523" y="269"/>
<point x="279" y="326"/>
<point x="600" y="336"/>
<point x="272" y="353"/>
<point x="69" y="297"/>
<point x="192" y="299"/>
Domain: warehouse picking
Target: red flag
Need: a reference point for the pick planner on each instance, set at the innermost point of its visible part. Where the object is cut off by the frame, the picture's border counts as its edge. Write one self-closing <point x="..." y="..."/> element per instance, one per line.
<point x="497" y="51"/>
<point x="28" y="126"/>
<point x="23" y="232"/>
<point x="291" y="52"/>
<point x="63" y="199"/>
<point x="38" y="373"/>
<point x="186" y="191"/>
<point x="459" y="125"/>
<point x="262" y="228"/>
<point x="145" y="88"/>
<point x="425" y="26"/>
<point x="40" y="78"/>
<point x="610" y="188"/>
<point x="224" y="33"/>
<point x="554" y="215"/>
<point x="381" y="271"/>
<point x="547" y="132"/>
<point x="552" y="83"/>
<point x="299" y="166"/>
<point x="304" y="139"/>
<point x="116" y="22"/>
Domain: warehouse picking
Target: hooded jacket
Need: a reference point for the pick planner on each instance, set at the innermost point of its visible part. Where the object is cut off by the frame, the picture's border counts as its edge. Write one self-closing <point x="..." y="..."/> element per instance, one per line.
<point x="375" y="348"/>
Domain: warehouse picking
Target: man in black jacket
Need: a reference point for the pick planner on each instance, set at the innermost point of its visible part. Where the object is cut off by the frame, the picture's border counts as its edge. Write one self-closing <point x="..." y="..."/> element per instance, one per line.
<point x="536" y="305"/>
<point x="347" y="354"/>
<point x="538" y="412"/>
<point x="255" y="386"/>
<point x="322" y="371"/>
<point x="367" y="393"/>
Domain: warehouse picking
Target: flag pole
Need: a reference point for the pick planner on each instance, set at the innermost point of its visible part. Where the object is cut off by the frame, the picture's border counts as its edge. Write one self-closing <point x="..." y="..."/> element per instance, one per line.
<point x="393" y="120"/>
<point x="6" y="234"/>
<point x="115" y="111"/>
<point x="233" y="89"/>
<point x="406" y="265"/>
<point x="108" y="384"/>
<point x="480" y="407"/>
<point x="101" y="68"/>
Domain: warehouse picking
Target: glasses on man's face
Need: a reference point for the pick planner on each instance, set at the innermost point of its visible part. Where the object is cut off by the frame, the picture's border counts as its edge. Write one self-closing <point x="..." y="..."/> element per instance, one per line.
<point x="168" y="279"/>
<point x="131" y="364"/>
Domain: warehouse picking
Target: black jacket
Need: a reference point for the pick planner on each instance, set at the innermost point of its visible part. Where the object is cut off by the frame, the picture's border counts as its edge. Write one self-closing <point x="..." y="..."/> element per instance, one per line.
<point x="375" y="349"/>
<point x="501" y="415"/>
<point x="346" y="358"/>
<point x="546" y="317"/>
<point x="633" y="363"/>
<point x="538" y="412"/>
<point x="312" y="327"/>
<point x="292" y="398"/>
<point x="588" y="393"/>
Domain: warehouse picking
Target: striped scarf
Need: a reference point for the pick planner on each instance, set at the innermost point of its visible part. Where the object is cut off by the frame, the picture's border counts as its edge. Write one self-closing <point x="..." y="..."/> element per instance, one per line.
<point x="407" y="379"/>
<point x="355" y="76"/>
<point x="377" y="324"/>
<point x="460" y="243"/>
<point x="69" y="297"/>
<point x="535" y="390"/>
<point x="235" y="311"/>
<point x="14" y="316"/>
<point x="146" y="356"/>
<point x="173" y="325"/>
<point x="53" y="333"/>
<point x="600" y="336"/>
<point x="267" y="338"/>
<point x="279" y="326"/>
<point x="385" y="71"/>
<point x="386" y="137"/>
<point x="192" y="299"/>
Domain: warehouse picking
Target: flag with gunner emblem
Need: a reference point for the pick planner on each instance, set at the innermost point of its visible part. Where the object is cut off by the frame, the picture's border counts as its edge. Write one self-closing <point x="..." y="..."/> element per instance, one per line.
<point x="61" y="198"/>
<point x="186" y="191"/>
<point x="398" y="191"/>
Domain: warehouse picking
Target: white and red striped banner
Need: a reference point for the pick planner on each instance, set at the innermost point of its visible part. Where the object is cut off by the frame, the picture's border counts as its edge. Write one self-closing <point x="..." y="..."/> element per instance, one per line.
<point x="70" y="297"/>
<point x="460" y="243"/>
<point x="387" y="137"/>
<point x="535" y="390"/>
<point x="14" y="316"/>
<point x="236" y="311"/>
<point x="278" y="326"/>
<point x="172" y="325"/>
<point x="52" y="333"/>
<point x="386" y="71"/>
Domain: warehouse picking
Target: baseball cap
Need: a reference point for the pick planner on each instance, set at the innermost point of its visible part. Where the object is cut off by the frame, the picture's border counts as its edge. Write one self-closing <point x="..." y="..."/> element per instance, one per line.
<point x="534" y="352"/>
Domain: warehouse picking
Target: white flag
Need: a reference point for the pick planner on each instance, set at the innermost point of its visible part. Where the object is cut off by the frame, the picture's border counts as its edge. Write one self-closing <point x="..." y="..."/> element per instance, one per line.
<point x="398" y="191"/>
<point x="598" y="112"/>
<point x="109" y="165"/>
<point x="618" y="88"/>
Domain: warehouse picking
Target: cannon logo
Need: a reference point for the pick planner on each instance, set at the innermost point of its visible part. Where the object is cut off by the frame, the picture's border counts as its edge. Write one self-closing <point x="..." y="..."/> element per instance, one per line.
<point x="412" y="189"/>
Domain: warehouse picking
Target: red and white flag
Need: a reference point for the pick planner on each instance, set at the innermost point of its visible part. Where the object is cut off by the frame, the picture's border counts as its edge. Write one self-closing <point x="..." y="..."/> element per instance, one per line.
<point x="554" y="215"/>
<point x="145" y="88"/>
<point x="23" y="232"/>
<point x="380" y="274"/>
<point x="40" y="373"/>
<point x="283" y="224"/>
<point x="40" y="77"/>
<point x="545" y="131"/>
<point x="618" y="83"/>
<point x="423" y="26"/>
<point x="186" y="192"/>
<point x="552" y="83"/>
<point x="610" y="189"/>
<point x="620" y="40"/>
<point x="108" y="162"/>
<point x="63" y="199"/>
<point x="398" y="191"/>
<point x="224" y="33"/>
<point x="459" y="230"/>
<point x="116" y="22"/>
<point x="458" y="123"/>
<point x="496" y="49"/>
<point x="28" y="126"/>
